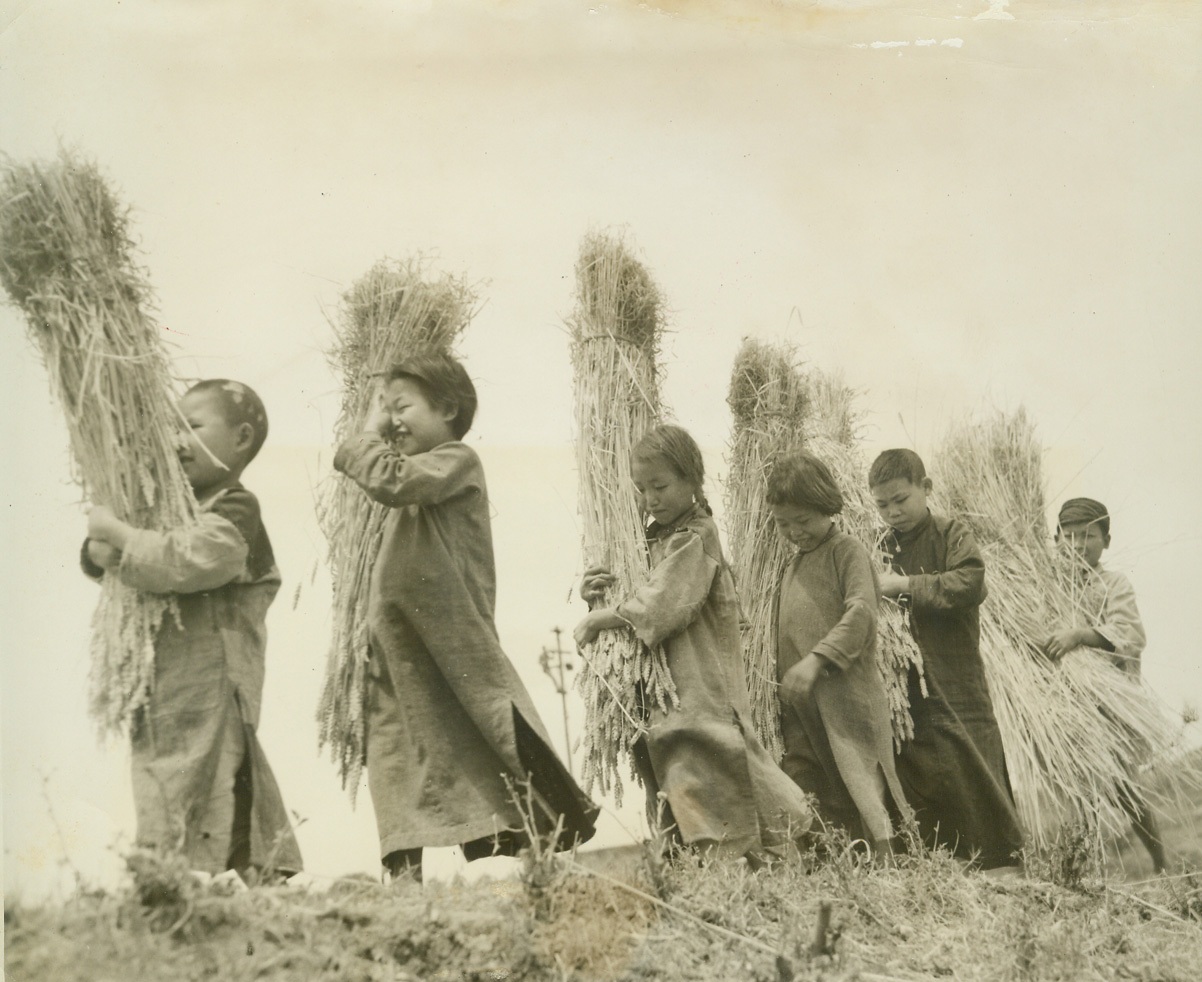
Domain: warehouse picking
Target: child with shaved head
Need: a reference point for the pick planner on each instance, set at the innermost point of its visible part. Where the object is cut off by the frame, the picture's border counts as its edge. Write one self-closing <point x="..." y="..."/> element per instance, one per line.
<point x="201" y="781"/>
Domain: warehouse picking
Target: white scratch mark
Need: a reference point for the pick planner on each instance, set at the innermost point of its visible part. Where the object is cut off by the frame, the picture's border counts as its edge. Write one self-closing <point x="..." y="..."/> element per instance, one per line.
<point x="997" y="11"/>
<point x="953" y="42"/>
<point x="890" y="44"/>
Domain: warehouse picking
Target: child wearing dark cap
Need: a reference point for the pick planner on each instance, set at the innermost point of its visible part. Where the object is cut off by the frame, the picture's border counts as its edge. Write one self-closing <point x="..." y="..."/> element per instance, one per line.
<point x="201" y="781"/>
<point x="1111" y="624"/>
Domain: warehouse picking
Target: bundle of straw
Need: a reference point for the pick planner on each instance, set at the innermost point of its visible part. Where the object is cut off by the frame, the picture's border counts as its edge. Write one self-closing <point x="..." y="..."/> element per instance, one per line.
<point x="1073" y="732"/>
<point x="767" y="400"/>
<point x="393" y="311"/>
<point x="778" y="408"/>
<point x="615" y="330"/>
<point x="68" y="264"/>
<point x="832" y="434"/>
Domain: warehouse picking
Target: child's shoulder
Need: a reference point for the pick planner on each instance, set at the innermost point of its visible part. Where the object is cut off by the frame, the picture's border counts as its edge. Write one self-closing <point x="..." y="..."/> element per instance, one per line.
<point x="455" y="451"/>
<point x="238" y="506"/>
<point x="949" y="527"/>
<point x="695" y="527"/>
<point x="236" y="499"/>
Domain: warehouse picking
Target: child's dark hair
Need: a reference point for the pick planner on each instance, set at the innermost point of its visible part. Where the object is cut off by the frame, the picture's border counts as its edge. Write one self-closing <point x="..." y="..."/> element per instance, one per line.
<point x="239" y="404"/>
<point x="445" y="384"/>
<point x="1084" y="511"/>
<point x="801" y="479"/>
<point x="894" y="465"/>
<point x="674" y="446"/>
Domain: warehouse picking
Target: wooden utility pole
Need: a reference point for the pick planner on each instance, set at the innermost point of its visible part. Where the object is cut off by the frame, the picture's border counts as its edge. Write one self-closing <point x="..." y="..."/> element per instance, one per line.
<point x="555" y="664"/>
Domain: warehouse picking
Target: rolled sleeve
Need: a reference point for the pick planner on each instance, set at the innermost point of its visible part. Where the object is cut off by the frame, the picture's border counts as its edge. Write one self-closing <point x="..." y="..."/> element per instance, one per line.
<point x="200" y="557"/>
<point x="396" y="480"/>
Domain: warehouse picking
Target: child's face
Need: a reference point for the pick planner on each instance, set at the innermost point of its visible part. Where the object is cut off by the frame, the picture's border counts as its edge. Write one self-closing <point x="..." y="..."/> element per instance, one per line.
<point x="227" y="443"/>
<point x="802" y="526"/>
<point x="417" y="425"/>
<point x="901" y="502"/>
<point x="1086" y="539"/>
<point x="663" y="494"/>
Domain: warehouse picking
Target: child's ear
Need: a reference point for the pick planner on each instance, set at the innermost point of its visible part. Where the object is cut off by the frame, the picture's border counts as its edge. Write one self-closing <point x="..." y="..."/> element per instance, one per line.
<point x="928" y="485"/>
<point x="246" y="436"/>
<point x="448" y="411"/>
<point x="1106" y="541"/>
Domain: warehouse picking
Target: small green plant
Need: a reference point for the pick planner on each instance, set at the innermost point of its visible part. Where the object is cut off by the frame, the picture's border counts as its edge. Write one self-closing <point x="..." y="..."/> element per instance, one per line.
<point x="1073" y="860"/>
<point x="660" y="852"/>
<point x="541" y="869"/>
<point x="1185" y="893"/>
<point x="163" y="886"/>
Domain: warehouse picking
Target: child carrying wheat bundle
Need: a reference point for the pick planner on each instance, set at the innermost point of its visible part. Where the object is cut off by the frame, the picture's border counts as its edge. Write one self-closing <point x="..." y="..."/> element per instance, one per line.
<point x="201" y="780"/>
<point x="953" y="769"/>
<point x="834" y="712"/>
<point x="450" y="727"/>
<point x="1111" y="624"/>
<point x="722" y="791"/>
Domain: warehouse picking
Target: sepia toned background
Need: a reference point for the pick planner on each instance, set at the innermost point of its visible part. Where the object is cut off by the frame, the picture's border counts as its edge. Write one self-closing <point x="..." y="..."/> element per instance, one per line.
<point x="962" y="206"/>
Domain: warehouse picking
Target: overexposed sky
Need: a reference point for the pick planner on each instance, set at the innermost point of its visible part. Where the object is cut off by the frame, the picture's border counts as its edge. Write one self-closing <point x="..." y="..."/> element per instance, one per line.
<point x="958" y="213"/>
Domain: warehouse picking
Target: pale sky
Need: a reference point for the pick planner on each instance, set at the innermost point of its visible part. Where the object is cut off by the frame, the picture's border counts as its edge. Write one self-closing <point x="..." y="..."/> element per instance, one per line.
<point x="957" y="213"/>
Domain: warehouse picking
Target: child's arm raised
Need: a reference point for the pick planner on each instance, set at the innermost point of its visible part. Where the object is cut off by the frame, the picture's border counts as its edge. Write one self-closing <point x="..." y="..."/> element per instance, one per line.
<point x="395" y="480"/>
<point x="962" y="581"/>
<point x="198" y="557"/>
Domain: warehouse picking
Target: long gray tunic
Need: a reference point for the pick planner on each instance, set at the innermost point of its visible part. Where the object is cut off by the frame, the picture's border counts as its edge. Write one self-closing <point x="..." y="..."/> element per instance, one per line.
<point x="721" y="785"/>
<point x="838" y="742"/>
<point x="449" y="720"/>
<point x="193" y="742"/>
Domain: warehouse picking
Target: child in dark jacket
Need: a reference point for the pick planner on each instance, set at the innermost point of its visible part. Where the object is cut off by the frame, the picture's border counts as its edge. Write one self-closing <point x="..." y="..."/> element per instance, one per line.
<point x="953" y="770"/>
<point x="200" y="779"/>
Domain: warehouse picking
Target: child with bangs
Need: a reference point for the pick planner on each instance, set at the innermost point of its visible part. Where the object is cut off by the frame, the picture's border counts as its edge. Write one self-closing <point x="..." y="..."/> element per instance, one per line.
<point x="723" y="794"/>
<point x="201" y="781"/>
<point x="451" y="728"/>
<point x="834" y="711"/>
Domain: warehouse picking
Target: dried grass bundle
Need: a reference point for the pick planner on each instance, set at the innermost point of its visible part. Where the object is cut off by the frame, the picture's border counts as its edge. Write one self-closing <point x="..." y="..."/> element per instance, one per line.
<point x="393" y="311"/>
<point x="68" y="263"/>
<point x="1075" y="732"/>
<point x="768" y="400"/>
<point x="832" y="433"/>
<point x="778" y="408"/>
<point x="615" y="330"/>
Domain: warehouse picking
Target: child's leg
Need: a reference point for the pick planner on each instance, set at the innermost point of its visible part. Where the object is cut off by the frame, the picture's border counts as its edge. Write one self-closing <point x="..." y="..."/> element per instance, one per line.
<point x="404" y="864"/>
<point x="1143" y="823"/>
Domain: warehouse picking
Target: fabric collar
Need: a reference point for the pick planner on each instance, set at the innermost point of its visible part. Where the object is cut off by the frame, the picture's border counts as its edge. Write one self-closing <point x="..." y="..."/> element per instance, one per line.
<point x="655" y="529"/>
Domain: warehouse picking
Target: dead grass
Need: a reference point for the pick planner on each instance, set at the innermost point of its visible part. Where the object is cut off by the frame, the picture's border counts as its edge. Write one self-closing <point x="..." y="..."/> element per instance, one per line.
<point x="922" y="918"/>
